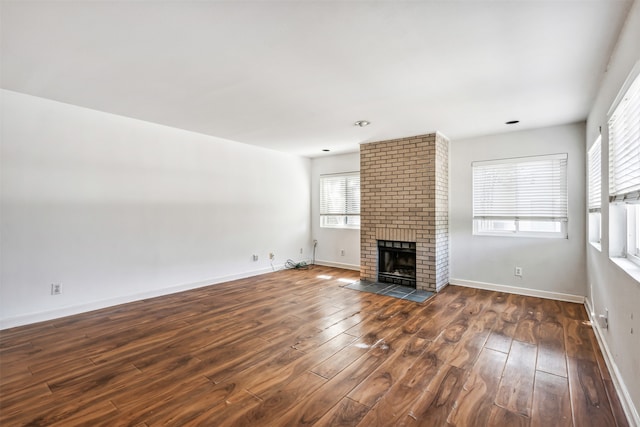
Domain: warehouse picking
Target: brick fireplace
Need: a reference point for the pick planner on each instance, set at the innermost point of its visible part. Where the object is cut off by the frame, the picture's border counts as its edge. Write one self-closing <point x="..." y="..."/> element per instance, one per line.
<point x="404" y="199"/>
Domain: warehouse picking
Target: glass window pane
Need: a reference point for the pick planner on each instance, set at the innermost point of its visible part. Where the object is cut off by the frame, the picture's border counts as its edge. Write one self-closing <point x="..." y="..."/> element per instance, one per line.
<point x="332" y="220"/>
<point x="353" y="220"/>
<point x="488" y="225"/>
<point x="540" y="226"/>
<point x="595" y="227"/>
<point x="340" y="200"/>
<point x="633" y="230"/>
<point x="533" y="187"/>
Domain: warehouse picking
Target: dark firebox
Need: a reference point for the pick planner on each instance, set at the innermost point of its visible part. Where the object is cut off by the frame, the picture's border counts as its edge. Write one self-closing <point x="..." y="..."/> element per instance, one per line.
<point x="397" y="262"/>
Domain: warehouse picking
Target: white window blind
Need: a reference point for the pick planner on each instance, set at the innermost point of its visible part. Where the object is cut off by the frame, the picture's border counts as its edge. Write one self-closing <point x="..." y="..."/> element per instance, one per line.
<point x="595" y="179"/>
<point x="526" y="188"/>
<point x="340" y="200"/>
<point x="624" y="146"/>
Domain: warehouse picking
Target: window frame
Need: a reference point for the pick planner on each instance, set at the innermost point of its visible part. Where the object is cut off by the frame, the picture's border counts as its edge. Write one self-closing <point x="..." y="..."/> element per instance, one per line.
<point x="624" y="191"/>
<point x="594" y="192"/>
<point x="632" y="249"/>
<point x="346" y="215"/>
<point x="488" y="196"/>
<point x="624" y="199"/>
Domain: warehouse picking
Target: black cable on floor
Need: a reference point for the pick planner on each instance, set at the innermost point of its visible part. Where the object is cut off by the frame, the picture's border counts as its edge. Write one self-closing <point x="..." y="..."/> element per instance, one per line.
<point x="290" y="264"/>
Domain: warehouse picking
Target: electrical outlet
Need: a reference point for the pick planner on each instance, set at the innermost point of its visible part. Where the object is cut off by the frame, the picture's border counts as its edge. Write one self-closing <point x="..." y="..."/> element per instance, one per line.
<point x="272" y="255"/>
<point x="517" y="271"/>
<point x="604" y="319"/>
<point x="255" y="257"/>
<point x="56" y="288"/>
<point x="301" y="250"/>
<point x="341" y="252"/>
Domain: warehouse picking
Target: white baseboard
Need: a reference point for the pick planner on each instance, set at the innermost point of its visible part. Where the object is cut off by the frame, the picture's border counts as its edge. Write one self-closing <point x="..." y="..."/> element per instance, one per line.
<point x="338" y="265"/>
<point x="96" y="305"/>
<point x="618" y="382"/>
<point x="516" y="290"/>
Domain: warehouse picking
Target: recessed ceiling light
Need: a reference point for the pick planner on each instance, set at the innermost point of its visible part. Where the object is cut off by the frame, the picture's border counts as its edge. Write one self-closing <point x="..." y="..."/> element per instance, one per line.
<point x="325" y="149"/>
<point x="512" y="122"/>
<point x="362" y="123"/>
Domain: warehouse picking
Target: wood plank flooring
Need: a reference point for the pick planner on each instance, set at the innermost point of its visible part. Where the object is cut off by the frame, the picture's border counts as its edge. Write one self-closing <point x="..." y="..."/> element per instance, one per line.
<point x="294" y="348"/>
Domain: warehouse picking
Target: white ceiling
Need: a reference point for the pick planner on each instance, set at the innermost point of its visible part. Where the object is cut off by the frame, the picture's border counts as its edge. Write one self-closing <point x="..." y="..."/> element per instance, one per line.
<point x="295" y="75"/>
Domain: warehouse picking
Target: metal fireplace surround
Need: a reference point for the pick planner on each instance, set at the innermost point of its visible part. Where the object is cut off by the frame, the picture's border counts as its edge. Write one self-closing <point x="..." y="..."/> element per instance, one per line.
<point x="397" y="262"/>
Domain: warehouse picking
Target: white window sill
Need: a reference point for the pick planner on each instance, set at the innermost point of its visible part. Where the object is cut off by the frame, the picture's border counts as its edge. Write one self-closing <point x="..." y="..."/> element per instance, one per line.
<point x="342" y="227"/>
<point x="596" y="245"/>
<point x="629" y="267"/>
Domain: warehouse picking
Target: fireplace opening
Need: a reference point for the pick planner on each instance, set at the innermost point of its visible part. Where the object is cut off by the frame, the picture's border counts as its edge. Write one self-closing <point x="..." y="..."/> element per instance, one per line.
<point x="397" y="262"/>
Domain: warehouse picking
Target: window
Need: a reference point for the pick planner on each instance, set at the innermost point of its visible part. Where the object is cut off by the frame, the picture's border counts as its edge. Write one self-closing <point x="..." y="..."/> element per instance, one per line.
<point x="624" y="171"/>
<point x="340" y="200"/>
<point x="624" y="146"/>
<point x="524" y="196"/>
<point x="633" y="233"/>
<point x="594" y="167"/>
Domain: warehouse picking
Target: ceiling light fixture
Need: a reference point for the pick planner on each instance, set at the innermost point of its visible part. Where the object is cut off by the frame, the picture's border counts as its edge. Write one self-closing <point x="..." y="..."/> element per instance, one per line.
<point x="512" y="122"/>
<point x="362" y="123"/>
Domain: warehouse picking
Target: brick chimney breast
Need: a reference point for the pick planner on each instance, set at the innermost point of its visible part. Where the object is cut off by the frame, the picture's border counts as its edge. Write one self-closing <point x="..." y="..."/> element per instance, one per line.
<point x="404" y="196"/>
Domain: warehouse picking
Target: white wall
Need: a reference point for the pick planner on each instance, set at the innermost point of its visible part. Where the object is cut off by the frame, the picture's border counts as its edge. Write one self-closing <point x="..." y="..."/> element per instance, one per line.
<point x="332" y="240"/>
<point x="116" y="209"/>
<point x="556" y="266"/>
<point x="609" y="285"/>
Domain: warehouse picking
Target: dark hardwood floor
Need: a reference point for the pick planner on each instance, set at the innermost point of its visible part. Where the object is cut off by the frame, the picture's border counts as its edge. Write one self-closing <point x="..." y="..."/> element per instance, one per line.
<point x="295" y="348"/>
